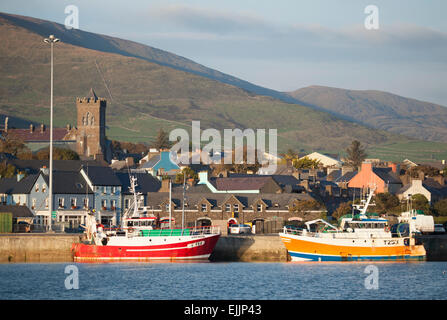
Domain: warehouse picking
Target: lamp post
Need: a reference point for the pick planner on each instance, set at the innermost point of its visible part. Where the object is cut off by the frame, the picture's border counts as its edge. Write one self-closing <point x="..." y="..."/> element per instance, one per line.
<point x="51" y="40"/>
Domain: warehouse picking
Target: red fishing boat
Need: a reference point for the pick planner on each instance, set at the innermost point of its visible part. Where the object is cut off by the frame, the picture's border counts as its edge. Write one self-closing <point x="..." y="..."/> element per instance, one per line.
<point x="139" y="239"/>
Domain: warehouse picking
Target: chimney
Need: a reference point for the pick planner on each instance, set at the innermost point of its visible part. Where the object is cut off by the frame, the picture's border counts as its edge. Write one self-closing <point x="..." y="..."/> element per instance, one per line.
<point x="31" y="128"/>
<point x="440" y="180"/>
<point x="203" y="177"/>
<point x="190" y="182"/>
<point x="393" y="167"/>
<point x="6" y="124"/>
<point x="130" y="161"/>
<point x="346" y="169"/>
<point x="20" y="176"/>
<point x="366" y="166"/>
<point x="42" y="128"/>
<point x="164" y="186"/>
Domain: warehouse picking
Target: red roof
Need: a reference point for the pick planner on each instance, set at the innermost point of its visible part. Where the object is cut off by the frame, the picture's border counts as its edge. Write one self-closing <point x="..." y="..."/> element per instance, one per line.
<point x="37" y="135"/>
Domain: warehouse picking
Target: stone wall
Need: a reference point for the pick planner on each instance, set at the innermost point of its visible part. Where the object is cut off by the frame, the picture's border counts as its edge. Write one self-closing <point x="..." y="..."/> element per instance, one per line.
<point x="266" y="248"/>
<point x="37" y="248"/>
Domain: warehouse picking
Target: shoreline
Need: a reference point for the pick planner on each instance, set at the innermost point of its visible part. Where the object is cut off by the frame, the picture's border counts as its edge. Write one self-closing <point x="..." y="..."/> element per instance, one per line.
<point x="56" y="247"/>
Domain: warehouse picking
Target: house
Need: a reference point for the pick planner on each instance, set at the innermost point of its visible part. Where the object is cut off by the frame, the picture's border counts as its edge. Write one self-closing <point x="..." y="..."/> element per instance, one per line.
<point x="19" y="213"/>
<point x="383" y="179"/>
<point x="434" y="189"/>
<point x="325" y="160"/>
<point x="240" y="184"/>
<point x="269" y="212"/>
<point x="161" y="165"/>
<point x="106" y="188"/>
<point x="146" y="183"/>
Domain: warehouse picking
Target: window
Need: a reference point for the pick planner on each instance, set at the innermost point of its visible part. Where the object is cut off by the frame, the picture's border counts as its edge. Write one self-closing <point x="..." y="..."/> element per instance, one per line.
<point x="44" y="188"/>
<point x="61" y="202"/>
<point x="113" y="204"/>
<point x="204" y="207"/>
<point x="104" y="204"/>
<point x="37" y="187"/>
<point x="85" y="203"/>
<point x="167" y="207"/>
<point x="259" y="207"/>
<point x="228" y="207"/>
<point x="46" y="203"/>
<point x="113" y="190"/>
<point x="236" y="207"/>
<point x="34" y="204"/>
<point x="73" y="203"/>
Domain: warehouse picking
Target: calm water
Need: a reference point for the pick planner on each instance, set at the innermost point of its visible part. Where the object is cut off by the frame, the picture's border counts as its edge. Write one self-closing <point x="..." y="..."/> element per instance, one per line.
<point x="198" y="281"/>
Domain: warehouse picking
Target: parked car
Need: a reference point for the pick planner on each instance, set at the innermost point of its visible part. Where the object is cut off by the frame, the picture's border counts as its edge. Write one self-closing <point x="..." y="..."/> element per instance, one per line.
<point x="22" y="227"/>
<point x="240" y="228"/>
<point x="439" y="228"/>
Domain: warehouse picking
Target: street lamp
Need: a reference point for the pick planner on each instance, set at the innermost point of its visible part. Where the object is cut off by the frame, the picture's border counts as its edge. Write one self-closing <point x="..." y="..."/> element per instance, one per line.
<point x="51" y="40"/>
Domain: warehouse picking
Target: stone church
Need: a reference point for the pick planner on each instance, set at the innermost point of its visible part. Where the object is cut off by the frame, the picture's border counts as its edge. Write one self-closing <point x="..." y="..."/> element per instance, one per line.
<point x="88" y="138"/>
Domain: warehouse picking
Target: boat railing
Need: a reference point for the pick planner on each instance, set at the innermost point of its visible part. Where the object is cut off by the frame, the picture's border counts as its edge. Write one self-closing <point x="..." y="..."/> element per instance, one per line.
<point x="192" y="231"/>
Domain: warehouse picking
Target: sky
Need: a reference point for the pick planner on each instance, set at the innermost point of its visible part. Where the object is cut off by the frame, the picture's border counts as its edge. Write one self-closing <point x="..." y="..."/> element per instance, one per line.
<point x="283" y="44"/>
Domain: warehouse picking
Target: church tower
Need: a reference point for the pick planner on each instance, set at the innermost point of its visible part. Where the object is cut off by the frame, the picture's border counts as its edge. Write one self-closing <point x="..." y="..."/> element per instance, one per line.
<point x="91" y="135"/>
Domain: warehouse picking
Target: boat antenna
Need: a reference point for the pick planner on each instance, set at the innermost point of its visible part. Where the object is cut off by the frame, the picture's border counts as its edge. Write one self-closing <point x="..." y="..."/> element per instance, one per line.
<point x="170" y="203"/>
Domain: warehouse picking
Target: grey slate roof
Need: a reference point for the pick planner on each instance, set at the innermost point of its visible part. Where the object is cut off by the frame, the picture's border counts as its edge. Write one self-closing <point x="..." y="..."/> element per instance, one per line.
<point x="218" y="199"/>
<point x="387" y="175"/>
<point x="68" y="182"/>
<point x="17" y="211"/>
<point x="346" y="177"/>
<point x="12" y="186"/>
<point x="33" y="166"/>
<point x="145" y="182"/>
<point x="102" y="176"/>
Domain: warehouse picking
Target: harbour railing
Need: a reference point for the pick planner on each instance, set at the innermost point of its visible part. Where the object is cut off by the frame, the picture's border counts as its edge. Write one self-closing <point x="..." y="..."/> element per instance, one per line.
<point x="364" y="234"/>
<point x="192" y="231"/>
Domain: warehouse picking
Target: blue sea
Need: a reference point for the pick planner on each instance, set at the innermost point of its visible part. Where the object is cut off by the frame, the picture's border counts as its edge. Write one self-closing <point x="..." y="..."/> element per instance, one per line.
<point x="225" y="281"/>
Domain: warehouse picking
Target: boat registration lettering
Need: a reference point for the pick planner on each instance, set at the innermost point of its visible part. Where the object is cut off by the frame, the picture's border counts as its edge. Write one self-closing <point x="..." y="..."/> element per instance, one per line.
<point x="390" y="242"/>
<point x="196" y="244"/>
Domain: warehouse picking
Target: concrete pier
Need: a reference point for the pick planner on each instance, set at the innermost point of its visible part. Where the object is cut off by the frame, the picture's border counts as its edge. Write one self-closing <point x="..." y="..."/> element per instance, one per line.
<point x="16" y="248"/>
<point x="250" y="249"/>
<point x="435" y="246"/>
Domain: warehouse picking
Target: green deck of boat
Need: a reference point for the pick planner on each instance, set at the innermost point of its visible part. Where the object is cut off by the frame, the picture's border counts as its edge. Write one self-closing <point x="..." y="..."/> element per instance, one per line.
<point x="164" y="232"/>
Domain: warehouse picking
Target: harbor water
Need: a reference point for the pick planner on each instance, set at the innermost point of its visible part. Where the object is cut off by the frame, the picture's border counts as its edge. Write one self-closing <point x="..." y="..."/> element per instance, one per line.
<point x="225" y="281"/>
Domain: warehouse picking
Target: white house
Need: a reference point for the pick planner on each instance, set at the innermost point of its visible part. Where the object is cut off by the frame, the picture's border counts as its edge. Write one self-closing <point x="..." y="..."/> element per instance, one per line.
<point x="325" y="160"/>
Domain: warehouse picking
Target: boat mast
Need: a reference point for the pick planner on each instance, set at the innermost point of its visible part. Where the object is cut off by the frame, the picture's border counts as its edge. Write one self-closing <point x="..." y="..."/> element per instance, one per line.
<point x="183" y="201"/>
<point x="170" y="202"/>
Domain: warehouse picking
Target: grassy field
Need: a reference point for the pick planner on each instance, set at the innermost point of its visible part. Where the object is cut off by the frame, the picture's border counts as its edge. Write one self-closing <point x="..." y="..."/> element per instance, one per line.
<point x="143" y="97"/>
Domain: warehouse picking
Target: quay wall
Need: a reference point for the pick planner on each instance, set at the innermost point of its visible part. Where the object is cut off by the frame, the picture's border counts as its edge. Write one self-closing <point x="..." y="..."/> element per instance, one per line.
<point x="435" y="246"/>
<point x="268" y="248"/>
<point x="17" y="248"/>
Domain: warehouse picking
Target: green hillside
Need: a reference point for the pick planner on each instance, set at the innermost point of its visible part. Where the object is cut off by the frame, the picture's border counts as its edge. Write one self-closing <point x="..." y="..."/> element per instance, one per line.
<point x="144" y="96"/>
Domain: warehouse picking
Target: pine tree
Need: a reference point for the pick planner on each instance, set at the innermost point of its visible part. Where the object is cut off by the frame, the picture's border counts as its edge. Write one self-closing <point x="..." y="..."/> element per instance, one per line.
<point x="162" y="140"/>
<point x="356" y="154"/>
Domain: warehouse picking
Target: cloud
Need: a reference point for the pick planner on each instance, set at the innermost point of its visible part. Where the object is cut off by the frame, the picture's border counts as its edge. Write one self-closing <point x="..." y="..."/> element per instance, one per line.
<point x="206" y="20"/>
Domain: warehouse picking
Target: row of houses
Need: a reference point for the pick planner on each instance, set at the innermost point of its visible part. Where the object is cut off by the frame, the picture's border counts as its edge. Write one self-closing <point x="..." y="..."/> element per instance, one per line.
<point x="92" y="186"/>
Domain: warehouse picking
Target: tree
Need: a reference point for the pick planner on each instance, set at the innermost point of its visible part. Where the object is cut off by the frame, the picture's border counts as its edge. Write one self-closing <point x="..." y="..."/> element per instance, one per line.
<point x="162" y="140"/>
<point x="188" y="172"/>
<point x="290" y="155"/>
<point x="302" y="207"/>
<point x="12" y="145"/>
<point x="7" y="170"/>
<point x="306" y="163"/>
<point x="58" y="154"/>
<point x="441" y="207"/>
<point x="356" y="154"/>
<point x="420" y="202"/>
<point x="343" y="209"/>
<point x="386" y="202"/>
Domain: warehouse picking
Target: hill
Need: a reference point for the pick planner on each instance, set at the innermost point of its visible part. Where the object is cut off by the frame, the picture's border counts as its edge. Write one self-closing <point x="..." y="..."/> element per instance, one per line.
<point x="144" y="95"/>
<point x="380" y="110"/>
